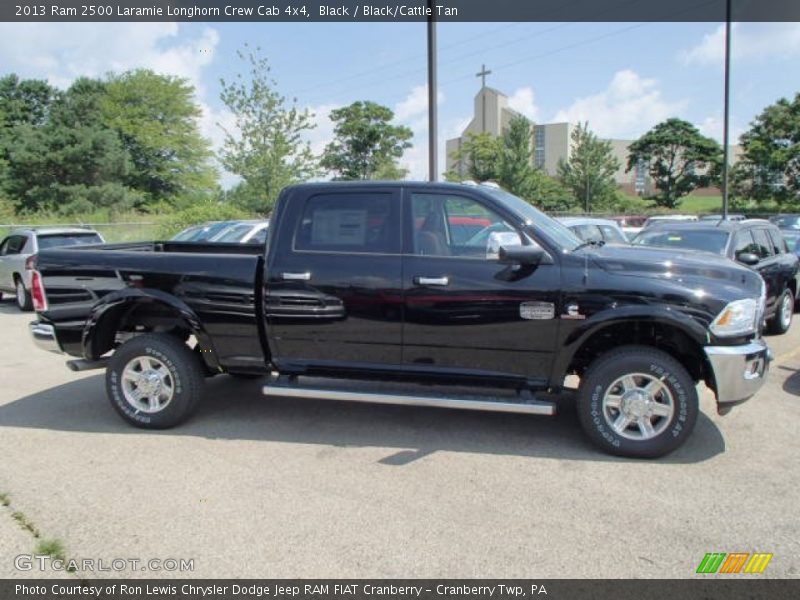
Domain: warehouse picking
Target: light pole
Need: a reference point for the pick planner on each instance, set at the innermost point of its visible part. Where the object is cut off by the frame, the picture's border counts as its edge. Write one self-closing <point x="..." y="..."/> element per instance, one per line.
<point x="726" y="117"/>
<point x="433" y="124"/>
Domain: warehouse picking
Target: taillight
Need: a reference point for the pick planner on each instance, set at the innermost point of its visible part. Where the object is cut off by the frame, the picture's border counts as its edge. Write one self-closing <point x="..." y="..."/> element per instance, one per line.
<point x="30" y="262"/>
<point x="37" y="292"/>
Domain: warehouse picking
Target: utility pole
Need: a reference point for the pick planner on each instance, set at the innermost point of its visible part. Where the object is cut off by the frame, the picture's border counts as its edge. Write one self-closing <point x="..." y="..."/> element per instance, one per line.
<point x="726" y="118"/>
<point x="433" y="95"/>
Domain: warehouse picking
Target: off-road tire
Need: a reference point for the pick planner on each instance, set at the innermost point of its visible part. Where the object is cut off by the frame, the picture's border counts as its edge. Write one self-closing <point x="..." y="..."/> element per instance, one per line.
<point x="185" y="373"/>
<point x="643" y="361"/>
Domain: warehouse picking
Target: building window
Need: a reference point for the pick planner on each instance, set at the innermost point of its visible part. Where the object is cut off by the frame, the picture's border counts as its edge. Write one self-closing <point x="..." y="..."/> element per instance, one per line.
<point x="538" y="146"/>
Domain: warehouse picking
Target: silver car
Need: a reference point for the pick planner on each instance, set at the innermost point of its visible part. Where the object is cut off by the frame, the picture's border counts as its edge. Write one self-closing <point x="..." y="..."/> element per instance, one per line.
<point x="22" y="243"/>
<point x="590" y="228"/>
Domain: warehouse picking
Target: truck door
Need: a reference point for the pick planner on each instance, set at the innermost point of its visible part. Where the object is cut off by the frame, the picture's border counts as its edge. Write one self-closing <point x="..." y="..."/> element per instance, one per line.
<point x="465" y="311"/>
<point x="333" y="286"/>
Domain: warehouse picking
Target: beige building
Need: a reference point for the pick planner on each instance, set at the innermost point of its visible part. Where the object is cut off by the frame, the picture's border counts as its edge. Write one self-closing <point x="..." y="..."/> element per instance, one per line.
<point x="551" y="141"/>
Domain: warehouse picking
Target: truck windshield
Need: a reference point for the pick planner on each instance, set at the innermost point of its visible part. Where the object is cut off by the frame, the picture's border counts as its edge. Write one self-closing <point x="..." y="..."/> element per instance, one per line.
<point x="549" y="227"/>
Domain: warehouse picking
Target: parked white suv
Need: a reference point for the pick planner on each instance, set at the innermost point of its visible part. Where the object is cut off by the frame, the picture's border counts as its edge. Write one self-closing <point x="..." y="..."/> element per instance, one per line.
<point x="22" y="243"/>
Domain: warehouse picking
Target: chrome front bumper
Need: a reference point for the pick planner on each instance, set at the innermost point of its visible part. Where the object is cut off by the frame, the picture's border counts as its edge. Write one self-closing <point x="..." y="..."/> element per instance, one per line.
<point x="738" y="371"/>
<point x="44" y="336"/>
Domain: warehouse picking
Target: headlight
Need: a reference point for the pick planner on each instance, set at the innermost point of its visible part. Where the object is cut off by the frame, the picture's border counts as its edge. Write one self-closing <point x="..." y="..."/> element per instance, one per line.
<point x="739" y="317"/>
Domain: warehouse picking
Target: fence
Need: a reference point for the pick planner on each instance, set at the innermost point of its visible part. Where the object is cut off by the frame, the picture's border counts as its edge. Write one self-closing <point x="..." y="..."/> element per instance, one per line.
<point x="111" y="232"/>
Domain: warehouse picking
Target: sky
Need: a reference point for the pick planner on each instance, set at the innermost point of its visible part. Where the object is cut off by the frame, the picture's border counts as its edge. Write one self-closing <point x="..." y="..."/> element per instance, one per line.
<point x="622" y="78"/>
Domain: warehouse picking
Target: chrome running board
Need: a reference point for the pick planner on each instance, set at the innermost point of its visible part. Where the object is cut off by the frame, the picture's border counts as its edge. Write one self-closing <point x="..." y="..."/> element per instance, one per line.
<point x="526" y="405"/>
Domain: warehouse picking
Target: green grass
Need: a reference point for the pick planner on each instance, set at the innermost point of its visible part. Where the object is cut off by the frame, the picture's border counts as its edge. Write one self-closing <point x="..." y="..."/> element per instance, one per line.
<point x="5" y="500"/>
<point x="53" y="548"/>
<point x="25" y="523"/>
<point x="701" y="204"/>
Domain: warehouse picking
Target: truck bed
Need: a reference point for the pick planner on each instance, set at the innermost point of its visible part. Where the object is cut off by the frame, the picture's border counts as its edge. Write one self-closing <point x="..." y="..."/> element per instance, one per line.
<point x="217" y="282"/>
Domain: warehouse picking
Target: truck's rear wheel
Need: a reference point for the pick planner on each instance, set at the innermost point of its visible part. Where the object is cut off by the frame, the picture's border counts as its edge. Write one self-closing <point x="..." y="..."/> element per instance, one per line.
<point x="637" y="401"/>
<point x="154" y="381"/>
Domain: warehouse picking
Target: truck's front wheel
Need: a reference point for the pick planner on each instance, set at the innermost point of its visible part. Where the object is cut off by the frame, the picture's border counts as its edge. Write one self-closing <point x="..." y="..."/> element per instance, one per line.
<point x="637" y="401"/>
<point x="154" y="381"/>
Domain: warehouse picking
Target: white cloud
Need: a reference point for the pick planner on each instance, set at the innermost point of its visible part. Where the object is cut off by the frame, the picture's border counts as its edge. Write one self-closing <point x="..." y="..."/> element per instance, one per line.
<point x="748" y="41"/>
<point x="62" y="53"/>
<point x="414" y="104"/>
<point x="322" y="134"/>
<point x="523" y="101"/>
<point x="412" y="112"/>
<point x="629" y="106"/>
<point x="712" y="126"/>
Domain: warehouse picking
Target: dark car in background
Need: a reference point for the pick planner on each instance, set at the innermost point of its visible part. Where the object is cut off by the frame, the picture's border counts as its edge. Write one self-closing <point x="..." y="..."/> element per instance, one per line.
<point x="756" y="243"/>
<point x="788" y="221"/>
<point x="792" y="239"/>
<point x="730" y="217"/>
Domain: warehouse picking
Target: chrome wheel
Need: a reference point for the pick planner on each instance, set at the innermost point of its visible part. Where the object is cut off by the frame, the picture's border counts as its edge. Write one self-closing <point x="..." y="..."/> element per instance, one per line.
<point x="638" y="406"/>
<point x="787" y="310"/>
<point x="147" y="384"/>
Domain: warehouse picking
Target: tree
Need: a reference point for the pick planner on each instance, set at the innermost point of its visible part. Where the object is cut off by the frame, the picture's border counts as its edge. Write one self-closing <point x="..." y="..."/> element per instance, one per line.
<point x="72" y="163"/>
<point x="679" y="159"/>
<point x="24" y="101"/>
<point x="546" y="193"/>
<point x="367" y="145"/>
<point x="156" y="119"/>
<point x="770" y="167"/>
<point x="516" y="157"/>
<point x="267" y="150"/>
<point x="481" y="153"/>
<point x="589" y="170"/>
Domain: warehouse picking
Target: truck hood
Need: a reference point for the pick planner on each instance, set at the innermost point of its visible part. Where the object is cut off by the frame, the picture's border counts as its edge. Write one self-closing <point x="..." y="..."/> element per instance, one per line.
<point x="674" y="265"/>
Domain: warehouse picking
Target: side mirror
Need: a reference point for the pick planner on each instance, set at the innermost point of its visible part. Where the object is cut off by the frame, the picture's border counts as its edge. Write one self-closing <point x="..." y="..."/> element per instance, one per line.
<point x="524" y="255"/>
<point x="500" y="238"/>
<point x="748" y="258"/>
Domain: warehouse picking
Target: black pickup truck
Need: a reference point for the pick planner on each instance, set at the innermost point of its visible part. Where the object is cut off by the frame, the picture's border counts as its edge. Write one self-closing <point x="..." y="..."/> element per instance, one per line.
<point x="439" y="288"/>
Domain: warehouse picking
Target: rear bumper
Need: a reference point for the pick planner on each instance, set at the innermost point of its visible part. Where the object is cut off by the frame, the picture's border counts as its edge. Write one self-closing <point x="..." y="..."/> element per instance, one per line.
<point x="739" y="371"/>
<point x="44" y="336"/>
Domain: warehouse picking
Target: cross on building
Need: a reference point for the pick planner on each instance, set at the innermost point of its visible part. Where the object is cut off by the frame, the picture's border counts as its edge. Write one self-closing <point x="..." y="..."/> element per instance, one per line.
<point x="483" y="73"/>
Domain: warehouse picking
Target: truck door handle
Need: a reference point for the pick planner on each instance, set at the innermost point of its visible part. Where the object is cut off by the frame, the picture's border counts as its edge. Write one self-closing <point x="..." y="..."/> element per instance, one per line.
<point x="296" y="276"/>
<point x="419" y="280"/>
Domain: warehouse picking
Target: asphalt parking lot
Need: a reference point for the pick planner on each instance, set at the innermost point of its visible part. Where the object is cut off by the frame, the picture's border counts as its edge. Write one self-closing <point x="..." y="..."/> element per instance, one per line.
<point x="262" y="487"/>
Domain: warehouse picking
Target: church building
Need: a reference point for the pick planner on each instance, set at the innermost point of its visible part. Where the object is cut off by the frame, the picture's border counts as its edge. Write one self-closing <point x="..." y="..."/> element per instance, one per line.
<point x="550" y="141"/>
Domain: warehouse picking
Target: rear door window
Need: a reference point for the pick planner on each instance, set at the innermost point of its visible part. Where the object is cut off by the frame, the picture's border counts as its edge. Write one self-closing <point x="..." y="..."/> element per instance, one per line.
<point x="350" y="222"/>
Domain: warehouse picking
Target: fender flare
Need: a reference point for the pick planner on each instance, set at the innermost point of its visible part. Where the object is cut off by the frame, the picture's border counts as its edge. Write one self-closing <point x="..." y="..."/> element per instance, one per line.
<point x="113" y="305"/>
<point x="620" y="315"/>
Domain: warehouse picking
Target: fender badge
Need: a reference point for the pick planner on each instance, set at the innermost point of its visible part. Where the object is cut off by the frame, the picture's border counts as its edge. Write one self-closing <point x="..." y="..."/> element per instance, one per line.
<point x="537" y="310"/>
<point x="573" y="312"/>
